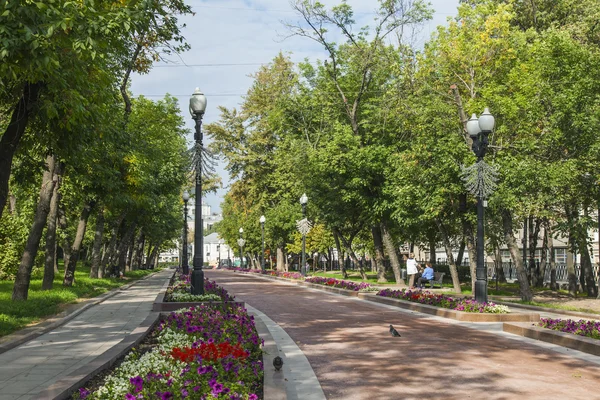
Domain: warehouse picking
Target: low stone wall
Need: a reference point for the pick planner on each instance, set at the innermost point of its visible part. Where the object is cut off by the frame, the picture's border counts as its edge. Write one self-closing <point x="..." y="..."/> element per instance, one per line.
<point x="575" y="342"/>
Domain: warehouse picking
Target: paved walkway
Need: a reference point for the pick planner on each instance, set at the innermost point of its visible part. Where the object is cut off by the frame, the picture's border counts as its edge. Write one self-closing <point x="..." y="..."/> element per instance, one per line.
<point x="30" y="368"/>
<point x="347" y="343"/>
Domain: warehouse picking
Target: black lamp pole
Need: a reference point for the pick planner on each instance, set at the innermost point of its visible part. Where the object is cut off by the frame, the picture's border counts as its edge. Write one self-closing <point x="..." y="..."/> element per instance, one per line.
<point x="218" y="255"/>
<point x="197" y="107"/>
<point x="479" y="130"/>
<point x="184" y="263"/>
<point x="262" y="231"/>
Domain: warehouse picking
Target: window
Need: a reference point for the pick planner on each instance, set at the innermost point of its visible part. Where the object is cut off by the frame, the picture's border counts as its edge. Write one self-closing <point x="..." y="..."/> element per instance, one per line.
<point x="560" y="256"/>
<point x="505" y="254"/>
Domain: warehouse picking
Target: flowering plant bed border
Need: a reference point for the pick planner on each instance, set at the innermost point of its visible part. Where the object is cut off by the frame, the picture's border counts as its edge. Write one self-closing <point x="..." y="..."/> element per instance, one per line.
<point x="453" y="314"/>
<point x="564" y="339"/>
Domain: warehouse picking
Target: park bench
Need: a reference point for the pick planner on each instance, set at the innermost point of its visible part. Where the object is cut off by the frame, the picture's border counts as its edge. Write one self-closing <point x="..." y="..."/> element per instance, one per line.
<point x="438" y="277"/>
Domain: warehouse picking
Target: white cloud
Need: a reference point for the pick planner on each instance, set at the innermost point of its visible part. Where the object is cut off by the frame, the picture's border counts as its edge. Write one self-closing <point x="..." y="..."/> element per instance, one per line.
<point x="242" y="32"/>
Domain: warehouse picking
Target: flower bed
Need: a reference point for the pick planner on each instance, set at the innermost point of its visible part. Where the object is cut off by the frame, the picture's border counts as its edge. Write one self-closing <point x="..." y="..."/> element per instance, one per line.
<point x="349" y="285"/>
<point x="200" y="353"/>
<point x="443" y="301"/>
<point x="180" y="291"/>
<point x="282" y="274"/>
<point x="582" y="327"/>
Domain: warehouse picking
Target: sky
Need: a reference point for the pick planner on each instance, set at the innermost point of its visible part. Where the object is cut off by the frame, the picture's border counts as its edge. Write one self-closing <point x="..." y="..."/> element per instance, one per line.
<point x="230" y="40"/>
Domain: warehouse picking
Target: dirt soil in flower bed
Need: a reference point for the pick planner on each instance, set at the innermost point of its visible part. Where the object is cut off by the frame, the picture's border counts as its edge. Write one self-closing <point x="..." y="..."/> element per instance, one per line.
<point x="145" y="345"/>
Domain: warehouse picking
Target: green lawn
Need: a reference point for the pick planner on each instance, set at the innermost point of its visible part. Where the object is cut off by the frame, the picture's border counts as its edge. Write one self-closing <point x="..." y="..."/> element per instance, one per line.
<point x="40" y="304"/>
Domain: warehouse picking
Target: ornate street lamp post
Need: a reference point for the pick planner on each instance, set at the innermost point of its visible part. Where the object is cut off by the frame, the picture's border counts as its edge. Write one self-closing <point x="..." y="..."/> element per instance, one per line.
<point x="184" y="262"/>
<point x="303" y="227"/>
<point x="262" y="231"/>
<point x="241" y="243"/>
<point x="197" y="108"/>
<point x="479" y="130"/>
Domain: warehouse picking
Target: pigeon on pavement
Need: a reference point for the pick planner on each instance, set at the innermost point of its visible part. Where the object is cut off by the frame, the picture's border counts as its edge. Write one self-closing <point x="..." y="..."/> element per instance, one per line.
<point x="393" y="331"/>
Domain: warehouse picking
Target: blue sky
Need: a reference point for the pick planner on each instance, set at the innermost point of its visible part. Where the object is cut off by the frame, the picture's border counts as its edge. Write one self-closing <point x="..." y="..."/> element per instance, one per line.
<point x="230" y="39"/>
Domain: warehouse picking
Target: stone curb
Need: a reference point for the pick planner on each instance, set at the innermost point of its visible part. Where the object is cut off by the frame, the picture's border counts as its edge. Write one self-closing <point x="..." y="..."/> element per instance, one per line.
<point x="564" y="339"/>
<point x="64" y="388"/>
<point x="26" y="334"/>
<point x="273" y="381"/>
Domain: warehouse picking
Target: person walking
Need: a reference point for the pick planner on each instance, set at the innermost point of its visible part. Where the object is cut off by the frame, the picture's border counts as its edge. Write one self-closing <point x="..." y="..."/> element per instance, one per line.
<point x="412" y="268"/>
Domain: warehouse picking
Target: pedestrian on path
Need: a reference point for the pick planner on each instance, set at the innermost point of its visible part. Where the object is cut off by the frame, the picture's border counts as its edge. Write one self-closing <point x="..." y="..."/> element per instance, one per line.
<point x="412" y="268"/>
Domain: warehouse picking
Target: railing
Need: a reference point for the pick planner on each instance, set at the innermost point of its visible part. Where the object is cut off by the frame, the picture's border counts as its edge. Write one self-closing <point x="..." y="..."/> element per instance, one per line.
<point x="510" y="271"/>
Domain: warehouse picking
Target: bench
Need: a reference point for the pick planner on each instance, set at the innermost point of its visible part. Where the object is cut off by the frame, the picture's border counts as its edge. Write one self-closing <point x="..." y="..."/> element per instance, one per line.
<point x="438" y="277"/>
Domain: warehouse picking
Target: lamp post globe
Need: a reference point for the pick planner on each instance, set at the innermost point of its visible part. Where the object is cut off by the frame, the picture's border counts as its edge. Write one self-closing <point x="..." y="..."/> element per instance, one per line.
<point x="262" y="221"/>
<point x="184" y="259"/>
<point x="303" y="202"/>
<point x="197" y="108"/>
<point x="479" y="130"/>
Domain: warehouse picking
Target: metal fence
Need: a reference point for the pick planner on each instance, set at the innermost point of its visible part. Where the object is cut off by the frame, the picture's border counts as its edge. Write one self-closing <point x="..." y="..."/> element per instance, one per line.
<point x="510" y="272"/>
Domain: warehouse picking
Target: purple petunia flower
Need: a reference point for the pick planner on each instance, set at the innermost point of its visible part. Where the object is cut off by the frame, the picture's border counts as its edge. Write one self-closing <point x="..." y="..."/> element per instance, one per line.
<point x="83" y="393"/>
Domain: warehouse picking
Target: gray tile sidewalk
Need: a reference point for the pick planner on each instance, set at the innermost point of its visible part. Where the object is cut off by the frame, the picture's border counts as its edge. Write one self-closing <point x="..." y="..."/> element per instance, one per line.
<point x="33" y="366"/>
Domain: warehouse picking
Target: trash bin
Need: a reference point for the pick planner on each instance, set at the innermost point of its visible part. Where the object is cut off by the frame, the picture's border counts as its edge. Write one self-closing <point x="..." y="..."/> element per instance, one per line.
<point x="403" y="273"/>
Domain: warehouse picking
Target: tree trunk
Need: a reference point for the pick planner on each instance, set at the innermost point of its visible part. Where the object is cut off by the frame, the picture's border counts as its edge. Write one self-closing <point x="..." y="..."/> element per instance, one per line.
<point x="152" y="258"/>
<point x="449" y="255"/>
<point x="340" y="254"/>
<point x="586" y="269"/>
<point x="12" y="136"/>
<point x="123" y="245"/>
<point x="544" y="255"/>
<point x="96" y="271"/>
<point x="82" y="224"/>
<point x="62" y="223"/>
<point x="348" y="245"/>
<point x="379" y="259"/>
<point x="139" y="250"/>
<point x="21" y="287"/>
<point x="130" y="251"/>
<point x="110" y="248"/>
<point x="461" y="252"/>
<point x="50" y="258"/>
<point x="390" y="248"/>
<point x="534" y="233"/>
<point x="469" y="240"/>
<point x="280" y="259"/>
<point x="507" y="223"/>
<point x="499" y="269"/>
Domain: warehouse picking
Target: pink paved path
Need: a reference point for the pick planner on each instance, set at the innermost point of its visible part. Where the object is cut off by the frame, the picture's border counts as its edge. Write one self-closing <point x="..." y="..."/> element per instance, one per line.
<point x="354" y="357"/>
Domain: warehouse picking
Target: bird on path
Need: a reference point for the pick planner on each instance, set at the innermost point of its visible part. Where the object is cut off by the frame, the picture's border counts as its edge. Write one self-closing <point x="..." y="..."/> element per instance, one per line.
<point x="277" y="363"/>
<point x="393" y="331"/>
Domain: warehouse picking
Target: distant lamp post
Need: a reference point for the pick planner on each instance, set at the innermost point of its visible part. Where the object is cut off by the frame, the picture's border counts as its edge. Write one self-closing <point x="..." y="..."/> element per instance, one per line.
<point x="197" y="108"/>
<point x="303" y="227"/>
<point x="479" y="130"/>
<point x="241" y="243"/>
<point x="262" y="231"/>
<point x="184" y="262"/>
